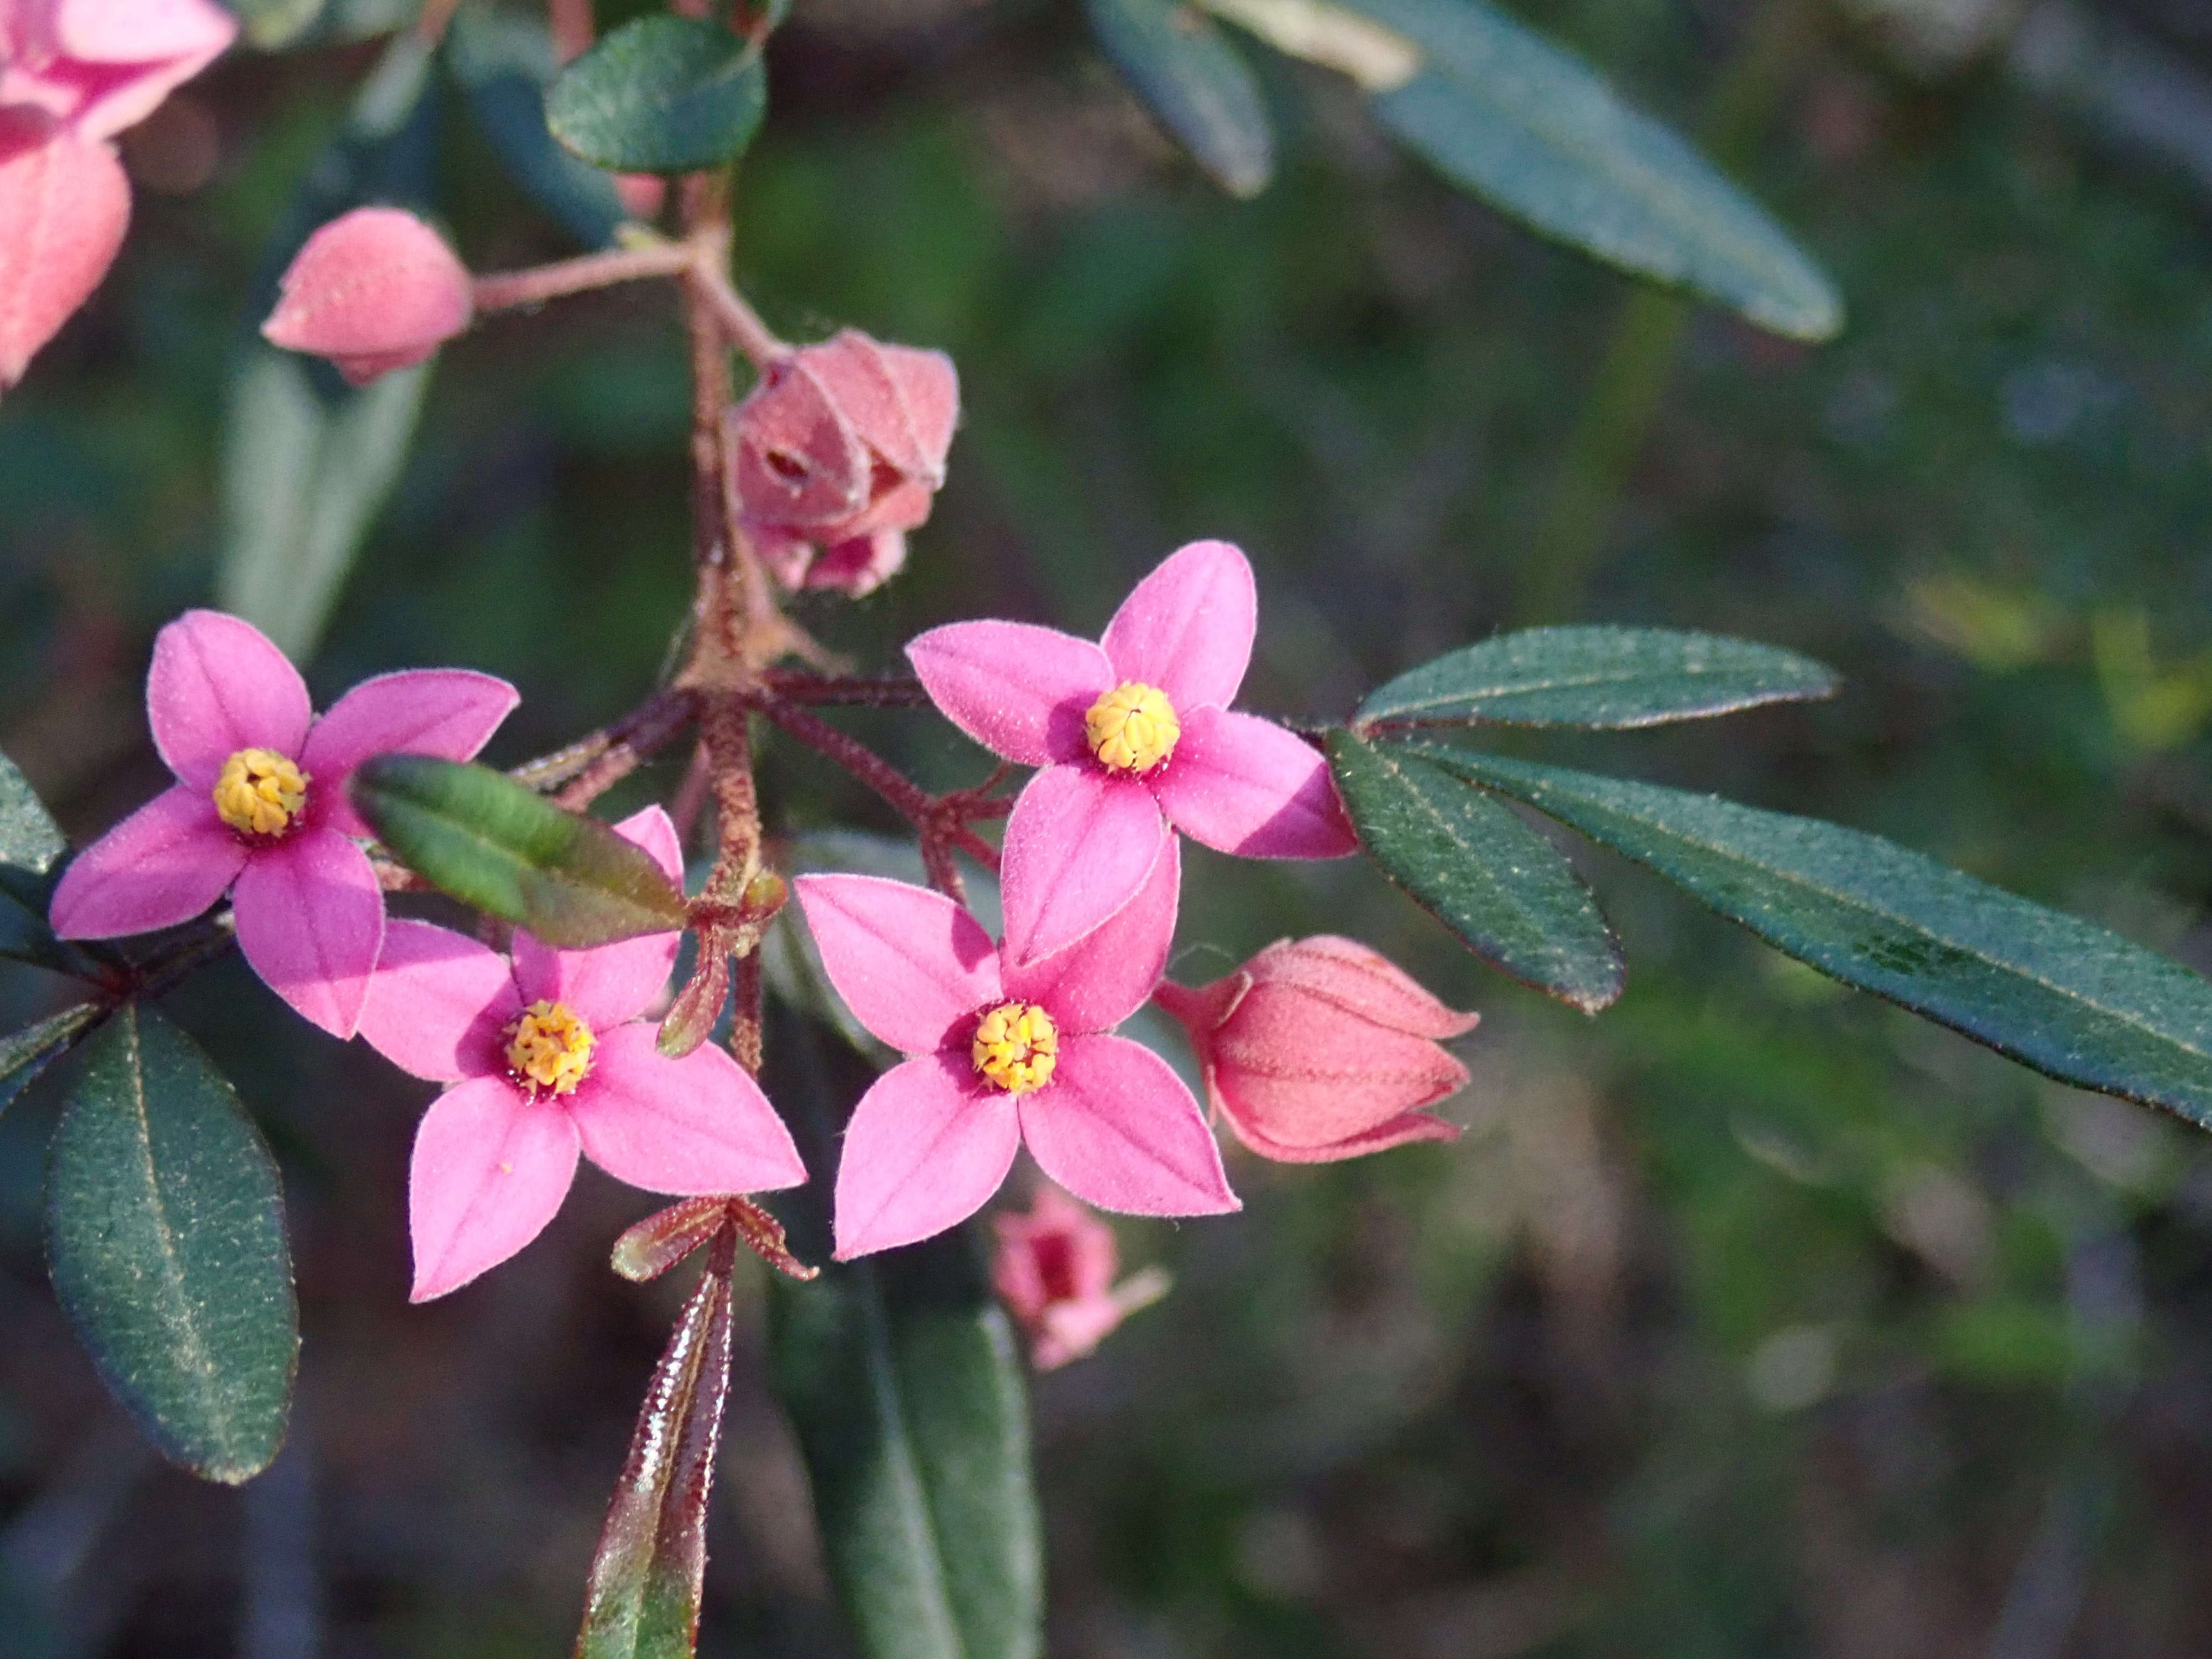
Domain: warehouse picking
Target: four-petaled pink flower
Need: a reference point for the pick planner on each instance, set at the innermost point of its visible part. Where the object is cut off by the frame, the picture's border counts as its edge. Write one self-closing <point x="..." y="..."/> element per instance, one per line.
<point x="1053" y="1268"/>
<point x="260" y="807"/>
<point x="1133" y="733"/>
<point x="1002" y="1052"/>
<point x="549" y="1058"/>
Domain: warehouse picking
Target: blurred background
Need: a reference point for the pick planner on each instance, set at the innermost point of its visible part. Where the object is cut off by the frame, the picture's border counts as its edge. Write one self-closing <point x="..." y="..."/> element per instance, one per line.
<point x="1752" y="1317"/>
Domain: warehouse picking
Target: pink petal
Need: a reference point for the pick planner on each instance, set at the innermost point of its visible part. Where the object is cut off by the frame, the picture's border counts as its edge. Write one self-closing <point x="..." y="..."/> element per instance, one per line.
<point x="1019" y="690"/>
<point x="1243" y="785"/>
<point x="311" y="921"/>
<point x="1079" y="845"/>
<point x="929" y="387"/>
<point x="694" y="1125"/>
<point x="608" y="983"/>
<point x="218" y="686"/>
<point x="164" y="863"/>
<point x="927" y="1146"/>
<point x="166" y="41"/>
<point x="64" y="204"/>
<point x="1187" y="627"/>
<point x="1362" y="981"/>
<point x="373" y="290"/>
<point x="912" y="965"/>
<point x="1397" y="1132"/>
<point x="855" y="372"/>
<point x="795" y="459"/>
<point x="438" y="1003"/>
<point x="1105" y="976"/>
<point x="490" y="1169"/>
<point x="1117" y="1128"/>
<point x="446" y="712"/>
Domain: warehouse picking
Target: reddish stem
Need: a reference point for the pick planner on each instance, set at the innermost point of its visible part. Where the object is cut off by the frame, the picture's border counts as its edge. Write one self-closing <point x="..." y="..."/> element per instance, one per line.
<point x="503" y="291"/>
<point x="855" y="690"/>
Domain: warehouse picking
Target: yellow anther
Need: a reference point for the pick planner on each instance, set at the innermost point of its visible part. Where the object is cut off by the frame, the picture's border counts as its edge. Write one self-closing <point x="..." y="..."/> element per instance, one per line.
<point x="1016" y="1047"/>
<point x="1132" y="728"/>
<point x="551" y="1048"/>
<point x="260" y="793"/>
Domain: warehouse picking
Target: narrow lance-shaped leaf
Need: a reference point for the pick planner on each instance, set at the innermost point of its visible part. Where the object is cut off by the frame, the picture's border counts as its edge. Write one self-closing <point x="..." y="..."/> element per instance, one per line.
<point x="660" y="94"/>
<point x="25" y="1054"/>
<point x="642" y="1599"/>
<point x="1195" y="81"/>
<point x="1477" y="869"/>
<point x="900" y="1374"/>
<point x="1594" y="676"/>
<point x="2054" y="992"/>
<point x="165" y="1237"/>
<point x="489" y="842"/>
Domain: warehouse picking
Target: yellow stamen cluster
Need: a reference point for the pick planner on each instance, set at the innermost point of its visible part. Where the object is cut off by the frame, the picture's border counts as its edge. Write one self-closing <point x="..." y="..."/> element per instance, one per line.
<point x="260" y="793"/>
<point x="1016" y="1047"/>
<point x="551" y="1048"/>
<point x="1132" y="728"/>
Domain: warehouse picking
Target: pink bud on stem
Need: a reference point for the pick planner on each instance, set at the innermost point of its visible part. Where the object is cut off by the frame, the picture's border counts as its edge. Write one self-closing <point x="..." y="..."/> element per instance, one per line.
<point x="374" y="290"/>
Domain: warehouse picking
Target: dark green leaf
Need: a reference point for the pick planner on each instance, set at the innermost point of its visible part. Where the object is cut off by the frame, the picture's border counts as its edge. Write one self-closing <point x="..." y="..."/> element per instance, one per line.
<point x="165" y="1236"/>
<point x="504" y="60"/>
<point x="2052" y="991"/>
<point x="489" y="842"/>
<point x="1195" y="81"/>
<point x="1598" y="676"/>
<point x="661" y="94"/>
<point x="1477" y="869"/>
<point x="900" y="1374"/>
<point x="1538" y="133"/>
<point x="641" y="1601"/>
<point x="29" y="838"/>
<point x="25" y="1054"/>
<point x="31" y="846"/>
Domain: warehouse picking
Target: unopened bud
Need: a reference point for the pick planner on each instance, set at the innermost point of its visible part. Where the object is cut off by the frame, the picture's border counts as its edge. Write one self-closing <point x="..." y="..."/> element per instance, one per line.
<point x="1055" y="1269"/>
<point x="373" y="291"/>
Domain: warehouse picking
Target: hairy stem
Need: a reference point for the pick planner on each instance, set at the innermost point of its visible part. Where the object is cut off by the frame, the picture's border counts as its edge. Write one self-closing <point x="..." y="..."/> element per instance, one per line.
<point x="503" y="291"/>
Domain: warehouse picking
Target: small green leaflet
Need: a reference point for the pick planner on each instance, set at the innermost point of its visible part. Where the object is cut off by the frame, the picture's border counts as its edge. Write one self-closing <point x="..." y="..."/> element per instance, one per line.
<point x="25" y="1054"/>
<point x="31" y="844"/>
<point x="1467" y="859"/>
<point x="660" y="94"/>
<point x="30" y="840"/>
<point x="1594" y="676"/>
<point x="2071" y="999"/>
<point x="489" y="842"/>
<point x="1195" y="81"/>
<point x="165" y="1237"/>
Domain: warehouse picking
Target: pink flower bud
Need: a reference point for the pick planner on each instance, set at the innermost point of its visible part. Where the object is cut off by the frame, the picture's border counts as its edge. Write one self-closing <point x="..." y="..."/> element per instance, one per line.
<point x="374" y="290"/>
<point x="837" y="452"/>
<point x="64" y="204"/>
<point x="1055" y="1270"/>
<point x="1318" y="1049"/>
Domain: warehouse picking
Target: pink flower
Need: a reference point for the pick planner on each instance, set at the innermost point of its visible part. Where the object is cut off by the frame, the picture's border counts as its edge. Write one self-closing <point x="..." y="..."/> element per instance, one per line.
<point x="259" y="808"/>
<point x="1133" y="733"/>
<point x="840" y="449"/>
<point x="373" y="290"/>
<point x="95" y="67"/>
<point x="65" y="205"/>
<point x="1055" y="1267"/>
<point x="1004" y="1052"/>
<point x="1318" y="1049"/>
<point x="548" y="1058"/>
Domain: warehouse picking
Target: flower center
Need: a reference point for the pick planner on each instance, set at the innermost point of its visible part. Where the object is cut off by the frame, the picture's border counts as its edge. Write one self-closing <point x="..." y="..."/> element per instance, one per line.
<point x="260" y="793"/>
<point x="1016" y="1047"/>
<point x="551" y="1048"/>
<point x="1132" y="728"/>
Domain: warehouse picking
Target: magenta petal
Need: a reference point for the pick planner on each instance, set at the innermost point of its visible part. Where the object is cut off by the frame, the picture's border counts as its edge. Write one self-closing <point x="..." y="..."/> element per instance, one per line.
<point x="927" y="1146"/>
<point x="1402" y="1130"/>
<point x="1019" y="690"/>
<point x="1117" y="1128"/>
<point x="1079" y="845"/>
<point x="446" y="712"/>
<point x="311" y="921"/>
<point x="490" y="1169"/>
<point x="1103" y="978"/>
<point x="218" y="686"/>
<point x="1243" y="785"/>
<point x="1187" y="627"/>
<point x="164" y="863"/>
<point x="694" y="1125"/>
<point x="608" y="983"/>
<point x="438" y="1003"/>
<point x="911" y="964"/>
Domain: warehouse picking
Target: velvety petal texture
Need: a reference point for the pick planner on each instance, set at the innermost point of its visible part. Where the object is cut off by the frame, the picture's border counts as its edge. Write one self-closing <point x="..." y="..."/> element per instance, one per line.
<point x="1242" y="785"/>
<point x="164" y="863"/>
<point x="913" y="966"/>
<point x="1101" y="980"/>
<point x="64" y="206"/>
<point x="1117" y="1128"/>
<point x="218" y="685"/>
<point x="695" y="1124"/>
<point x="1019" y="690"/>
<point x="450" y="712"/>
<point x="490" y="1170"/>
<point x="438" y="1003"/>
<point x="1188" y="628"/>
<point x="1079" y="845"/>
<point x="927" y="1146"/>
<point x="311" y="922"/>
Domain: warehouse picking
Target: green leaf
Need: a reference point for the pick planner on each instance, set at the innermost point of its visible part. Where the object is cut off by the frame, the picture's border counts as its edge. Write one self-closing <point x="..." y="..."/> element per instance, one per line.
<point x="504" y="61"/>
<point x="661" y="94"/>
<point x="2071" y="999"/>
<point x="1195" y="81"/>
<point x="165" y="1236"/>
<point x="30" y="840"/>
<point x="900" y="1374"/>
<point x="31" y="847"/>
<point x="641" y="1601"/>
<point x="25" y="1054"/>
<point x="1596" y="677"/>
<point x="1469" y="861"/>
<point x="1536" y="132"/>
<point x="489" y="842"/>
